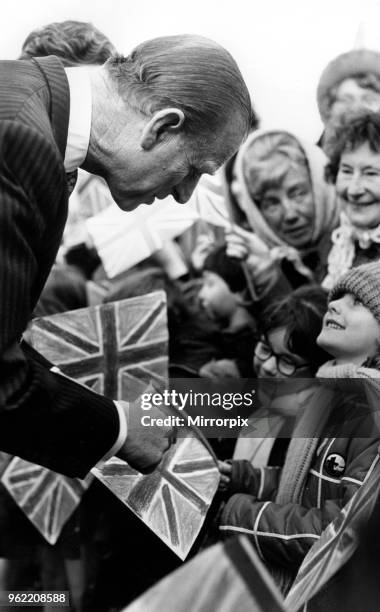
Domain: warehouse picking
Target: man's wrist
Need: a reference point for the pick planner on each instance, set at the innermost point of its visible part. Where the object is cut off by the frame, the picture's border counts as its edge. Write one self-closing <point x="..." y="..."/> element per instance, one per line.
<point x="122" y="436"/>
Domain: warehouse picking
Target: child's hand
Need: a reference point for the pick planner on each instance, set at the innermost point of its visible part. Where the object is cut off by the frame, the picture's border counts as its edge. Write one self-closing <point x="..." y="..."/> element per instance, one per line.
<point x="204" y="245"/>
<point x="225" y="470"/>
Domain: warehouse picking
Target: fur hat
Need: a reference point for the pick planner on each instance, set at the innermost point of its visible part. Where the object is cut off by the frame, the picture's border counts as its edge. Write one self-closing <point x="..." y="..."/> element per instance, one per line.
<point x="364" y="283"/>
<point x="229" y="269"/>
<point x="345" y="66"/>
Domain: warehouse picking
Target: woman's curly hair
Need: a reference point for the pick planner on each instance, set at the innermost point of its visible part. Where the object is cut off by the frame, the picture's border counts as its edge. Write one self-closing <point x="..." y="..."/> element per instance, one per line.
<point x="348" y="133"/>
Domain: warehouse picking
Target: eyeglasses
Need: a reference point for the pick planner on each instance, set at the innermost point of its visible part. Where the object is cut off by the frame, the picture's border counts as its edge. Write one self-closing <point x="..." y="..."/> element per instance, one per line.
<point x="284" y="364"/>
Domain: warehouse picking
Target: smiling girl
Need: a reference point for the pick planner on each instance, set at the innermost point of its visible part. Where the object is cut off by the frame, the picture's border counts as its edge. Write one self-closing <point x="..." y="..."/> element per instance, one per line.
<point x="351" y="326"/>
<point x="284" y="510"/>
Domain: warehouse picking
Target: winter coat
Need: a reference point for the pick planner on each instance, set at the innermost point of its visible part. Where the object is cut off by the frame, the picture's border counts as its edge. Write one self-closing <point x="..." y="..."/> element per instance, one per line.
<point x="284" y="511"/>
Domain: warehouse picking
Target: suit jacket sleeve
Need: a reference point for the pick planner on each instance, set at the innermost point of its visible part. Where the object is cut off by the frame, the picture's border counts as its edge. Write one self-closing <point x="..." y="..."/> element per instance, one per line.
<point x="44" y="417"/>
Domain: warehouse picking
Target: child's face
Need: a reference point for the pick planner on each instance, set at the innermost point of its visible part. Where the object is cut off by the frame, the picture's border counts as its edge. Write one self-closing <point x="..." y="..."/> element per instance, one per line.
<point x="272" y="358"/>
<point x="216" y="297"/>
<point x="358" y="186"/>
<point x="350" y="332"/>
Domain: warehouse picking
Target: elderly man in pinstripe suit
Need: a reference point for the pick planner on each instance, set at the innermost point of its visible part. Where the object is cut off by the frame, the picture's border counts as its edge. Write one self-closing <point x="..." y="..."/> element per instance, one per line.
<point x="150" y="124"/>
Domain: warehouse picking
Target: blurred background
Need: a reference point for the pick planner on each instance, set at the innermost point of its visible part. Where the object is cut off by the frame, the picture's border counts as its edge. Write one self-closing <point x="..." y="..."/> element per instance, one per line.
<point x="281" y="45"/>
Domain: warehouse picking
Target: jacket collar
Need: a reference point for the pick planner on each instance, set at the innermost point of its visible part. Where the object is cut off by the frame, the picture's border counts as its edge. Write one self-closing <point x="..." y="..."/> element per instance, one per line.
<point x="59" y="107"/>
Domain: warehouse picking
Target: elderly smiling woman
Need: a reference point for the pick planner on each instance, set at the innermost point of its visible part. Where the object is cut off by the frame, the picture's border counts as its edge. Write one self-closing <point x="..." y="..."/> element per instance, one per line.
<point x="354" y="151"/>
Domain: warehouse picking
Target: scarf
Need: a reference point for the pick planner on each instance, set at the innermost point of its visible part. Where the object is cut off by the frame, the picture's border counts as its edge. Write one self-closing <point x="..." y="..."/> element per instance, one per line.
<point x="342" y="254"/>
<point x="339" y="540"/>
<point x="302" y="447"/>
<point x="325" y="208"/>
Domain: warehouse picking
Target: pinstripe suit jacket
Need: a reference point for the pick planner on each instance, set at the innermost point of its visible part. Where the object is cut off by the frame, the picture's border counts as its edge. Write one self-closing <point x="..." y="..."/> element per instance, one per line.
<point x="44" y="417"/>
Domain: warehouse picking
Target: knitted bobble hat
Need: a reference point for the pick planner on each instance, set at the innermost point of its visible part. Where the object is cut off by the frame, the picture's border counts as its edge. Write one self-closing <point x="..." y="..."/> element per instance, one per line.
<point x="364" y="283"/>
<point x="345" y="66"/>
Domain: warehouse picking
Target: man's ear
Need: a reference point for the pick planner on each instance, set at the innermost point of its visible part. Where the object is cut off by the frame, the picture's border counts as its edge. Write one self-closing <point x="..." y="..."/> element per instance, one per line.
<point x="163" y="122"/>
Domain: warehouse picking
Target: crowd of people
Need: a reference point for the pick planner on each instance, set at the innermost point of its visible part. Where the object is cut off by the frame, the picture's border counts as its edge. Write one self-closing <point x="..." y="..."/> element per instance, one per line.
<point x="288" y="290"/>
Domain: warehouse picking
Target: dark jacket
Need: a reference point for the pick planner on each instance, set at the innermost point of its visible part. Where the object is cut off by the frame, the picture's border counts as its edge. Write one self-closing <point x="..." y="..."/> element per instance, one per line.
<point x="283" y="532"/>
<point x="44" y="417"/>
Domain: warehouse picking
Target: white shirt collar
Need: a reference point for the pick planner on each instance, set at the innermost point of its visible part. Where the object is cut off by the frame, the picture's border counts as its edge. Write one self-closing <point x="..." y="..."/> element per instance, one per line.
<point x="78" y="137"/>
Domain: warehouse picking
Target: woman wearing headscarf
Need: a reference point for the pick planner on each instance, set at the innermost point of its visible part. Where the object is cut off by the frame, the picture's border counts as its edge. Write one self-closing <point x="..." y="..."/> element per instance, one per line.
<point x="283" y="209"/>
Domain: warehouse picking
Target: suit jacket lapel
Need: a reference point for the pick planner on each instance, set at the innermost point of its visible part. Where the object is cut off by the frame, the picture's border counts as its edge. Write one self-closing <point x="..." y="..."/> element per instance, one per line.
<point x="59" y="109"/>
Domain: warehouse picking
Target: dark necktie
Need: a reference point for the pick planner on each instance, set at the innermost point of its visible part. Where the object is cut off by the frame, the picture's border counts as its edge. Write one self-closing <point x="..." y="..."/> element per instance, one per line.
<point x="71" y="178"/>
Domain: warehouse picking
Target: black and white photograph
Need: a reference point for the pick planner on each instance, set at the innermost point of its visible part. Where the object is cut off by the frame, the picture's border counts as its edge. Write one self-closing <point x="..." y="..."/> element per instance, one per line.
<point x="190" y="306"/>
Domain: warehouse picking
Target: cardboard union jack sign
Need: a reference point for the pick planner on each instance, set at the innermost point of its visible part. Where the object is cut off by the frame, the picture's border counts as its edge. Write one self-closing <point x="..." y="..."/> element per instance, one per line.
<point x="225" y="577"/>
<point x="90" y="197"/>
<point x="115" y="349"/>
<point x="336" y="544"/>
<point x="174" y="499"/>
<point x="48" y="499"/>
<point x="124" y="240"/>
<point x="5" y="459"/>
<point x="93" y="193"/>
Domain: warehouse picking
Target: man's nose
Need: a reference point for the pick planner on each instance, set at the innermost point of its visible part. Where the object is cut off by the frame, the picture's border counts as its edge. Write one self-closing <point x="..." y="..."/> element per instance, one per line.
<point x="183" y="190"/>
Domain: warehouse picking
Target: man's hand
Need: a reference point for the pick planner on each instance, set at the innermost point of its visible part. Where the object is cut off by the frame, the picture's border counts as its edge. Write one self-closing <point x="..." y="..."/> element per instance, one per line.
<point x="145" y="445"/>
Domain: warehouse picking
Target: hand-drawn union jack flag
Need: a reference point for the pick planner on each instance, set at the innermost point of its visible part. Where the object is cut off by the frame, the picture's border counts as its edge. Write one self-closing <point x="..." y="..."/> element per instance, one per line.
<point x="115" y="349"/>
<point x="337" y="543"/>
<point x="48" y="499"/>
<point x="174" y="499"/>
<point x="224" y="577"/>
<point x="124" y="240"/>
<point x="5" y="460"/>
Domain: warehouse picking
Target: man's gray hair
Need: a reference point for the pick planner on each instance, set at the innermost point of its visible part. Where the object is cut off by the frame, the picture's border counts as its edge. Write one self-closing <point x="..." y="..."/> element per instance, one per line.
<point x="188" y="72"/>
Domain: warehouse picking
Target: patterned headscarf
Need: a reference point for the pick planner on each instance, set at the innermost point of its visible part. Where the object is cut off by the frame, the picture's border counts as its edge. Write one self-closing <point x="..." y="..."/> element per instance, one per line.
<point x="325" y="208"/>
